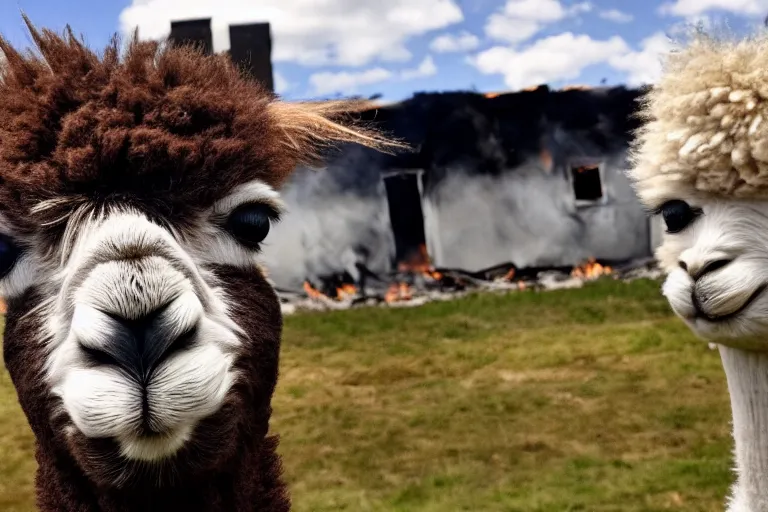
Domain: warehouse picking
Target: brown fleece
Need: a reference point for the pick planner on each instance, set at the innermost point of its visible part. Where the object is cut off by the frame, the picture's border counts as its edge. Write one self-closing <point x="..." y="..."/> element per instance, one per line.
<point x="168" y="131"/>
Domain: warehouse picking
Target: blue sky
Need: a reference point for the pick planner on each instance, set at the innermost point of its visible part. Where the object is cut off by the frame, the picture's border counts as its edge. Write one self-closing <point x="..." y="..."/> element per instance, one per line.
<point x="396" y="47"/>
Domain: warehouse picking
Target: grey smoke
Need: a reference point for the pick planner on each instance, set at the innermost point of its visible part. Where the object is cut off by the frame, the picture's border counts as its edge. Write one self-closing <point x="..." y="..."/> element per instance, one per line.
<point x="337" y="217"/>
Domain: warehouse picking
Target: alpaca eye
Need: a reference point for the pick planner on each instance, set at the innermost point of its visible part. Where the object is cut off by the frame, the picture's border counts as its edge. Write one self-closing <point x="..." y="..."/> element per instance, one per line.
<point x="250" y="223"/>
<point x="9" y="253"/>
<point x="678" y="215"/>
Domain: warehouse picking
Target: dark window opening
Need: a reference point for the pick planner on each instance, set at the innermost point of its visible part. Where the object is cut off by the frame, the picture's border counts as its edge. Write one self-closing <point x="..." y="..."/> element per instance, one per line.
<point x="587" y="183"/>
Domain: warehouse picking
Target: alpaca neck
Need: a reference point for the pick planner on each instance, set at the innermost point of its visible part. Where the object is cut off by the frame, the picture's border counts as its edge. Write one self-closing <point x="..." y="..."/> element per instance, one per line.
<point x="250" y="482"/>
<point x="747" y="374"/>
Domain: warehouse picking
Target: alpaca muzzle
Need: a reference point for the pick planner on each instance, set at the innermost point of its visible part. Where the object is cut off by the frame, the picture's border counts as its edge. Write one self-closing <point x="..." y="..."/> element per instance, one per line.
<point x="139" y="345"/>
<point x="149" y="352"/>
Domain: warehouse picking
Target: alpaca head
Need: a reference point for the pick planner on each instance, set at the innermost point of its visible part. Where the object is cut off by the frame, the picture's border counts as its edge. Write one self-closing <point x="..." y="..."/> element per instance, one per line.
<point x="701" y="162"/>
<point x="135" y="192"/>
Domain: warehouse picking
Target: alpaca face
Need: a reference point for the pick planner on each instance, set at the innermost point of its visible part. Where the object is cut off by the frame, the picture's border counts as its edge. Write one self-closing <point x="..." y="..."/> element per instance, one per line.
<point x="717" y="262"/>
<point x="148" y="329"/>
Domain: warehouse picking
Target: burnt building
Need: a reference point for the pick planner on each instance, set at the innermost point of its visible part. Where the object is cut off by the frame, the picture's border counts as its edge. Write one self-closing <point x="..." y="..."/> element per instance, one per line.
<point x="535" y="178"/>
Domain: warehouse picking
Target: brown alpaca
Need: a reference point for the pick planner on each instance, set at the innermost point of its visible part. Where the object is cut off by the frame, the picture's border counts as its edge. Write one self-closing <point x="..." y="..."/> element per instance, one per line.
<point x="141" y="336"/>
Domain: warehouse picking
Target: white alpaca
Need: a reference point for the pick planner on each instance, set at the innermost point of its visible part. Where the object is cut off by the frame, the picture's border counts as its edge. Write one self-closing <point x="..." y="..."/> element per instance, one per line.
<point x="701" y="161"/>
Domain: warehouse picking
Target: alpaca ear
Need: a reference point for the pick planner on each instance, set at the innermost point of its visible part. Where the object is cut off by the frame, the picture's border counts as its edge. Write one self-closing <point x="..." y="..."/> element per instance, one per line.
<point x="307" y="128"/>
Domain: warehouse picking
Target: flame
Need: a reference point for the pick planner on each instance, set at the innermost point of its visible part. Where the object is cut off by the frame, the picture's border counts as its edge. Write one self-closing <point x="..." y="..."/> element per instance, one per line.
<point x="392" y="293"/>
<point x="491" y="95"/>
<point x="591" y="270"/>
<point x="586" y="168"/>
<point x="312" y="292"/>
<point x="346" y="291"/>
<point x="398" y="292"/>
<point x="546" y="158"/>
<point x="3" y="307"/>
<point x="510" y="275"/>
<point x="521" y="285"/>
<point x="420" y="263"/>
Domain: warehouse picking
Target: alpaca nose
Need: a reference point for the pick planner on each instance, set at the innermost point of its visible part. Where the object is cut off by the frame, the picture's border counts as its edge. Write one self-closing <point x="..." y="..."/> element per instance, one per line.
<point x="139" y="345"/>
<point x="699" y="268"/>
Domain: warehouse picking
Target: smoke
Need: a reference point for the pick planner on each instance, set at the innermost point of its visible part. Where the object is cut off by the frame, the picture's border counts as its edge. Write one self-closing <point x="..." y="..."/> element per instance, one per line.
<point x="530" y="217"/>
<point x="336" y="217"/>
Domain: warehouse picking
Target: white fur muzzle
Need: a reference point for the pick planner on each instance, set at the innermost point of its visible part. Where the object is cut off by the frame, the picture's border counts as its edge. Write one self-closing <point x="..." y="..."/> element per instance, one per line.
<point x="718" y="273"/>
<point x="127" y="271"/>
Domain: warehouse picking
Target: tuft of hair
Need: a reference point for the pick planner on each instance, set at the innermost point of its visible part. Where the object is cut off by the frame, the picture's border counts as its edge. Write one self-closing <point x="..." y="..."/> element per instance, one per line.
<point x="320" y="124"/>
<point x="706" y="123"/>
<point x="73" y="121"/>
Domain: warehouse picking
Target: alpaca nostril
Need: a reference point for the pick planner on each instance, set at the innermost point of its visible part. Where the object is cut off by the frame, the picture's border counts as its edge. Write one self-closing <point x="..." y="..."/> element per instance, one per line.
<point x="712" y="267"/>
<point x="180" y="344"/>
<point x="138" y="346"/>
<point x="683" y="265"/>
<point x="99" y="357"/>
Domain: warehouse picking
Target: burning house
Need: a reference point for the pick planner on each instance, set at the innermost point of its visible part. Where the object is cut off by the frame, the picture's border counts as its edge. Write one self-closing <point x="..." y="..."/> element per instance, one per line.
<point x="526" y="180"/>
<point x="498" y="188"/>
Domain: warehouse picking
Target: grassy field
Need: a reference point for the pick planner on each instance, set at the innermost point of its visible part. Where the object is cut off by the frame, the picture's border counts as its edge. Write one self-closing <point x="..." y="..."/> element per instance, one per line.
<point x="594" y="399"/>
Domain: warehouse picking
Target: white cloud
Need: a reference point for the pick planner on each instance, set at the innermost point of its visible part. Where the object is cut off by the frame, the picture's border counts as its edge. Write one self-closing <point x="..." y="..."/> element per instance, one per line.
<point x="519" y="20"/>
<point x="644" y="66"/>
<point x="426" y="68"/>
<point x="281" y="83"/>
<point x="449" y="43"/>
<point x="691" y="8"/>
<point x="616" y="15"/>
<point x="579" y="8"/>
<point x="339" y="32"/>
<point x="346" y="82"/>
<point x="551" y="59"/>
<point x="349" y="82"/>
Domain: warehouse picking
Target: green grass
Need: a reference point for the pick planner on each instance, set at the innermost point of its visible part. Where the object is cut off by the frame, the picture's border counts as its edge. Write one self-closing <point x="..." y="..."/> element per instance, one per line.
<point x="594" y="399"/>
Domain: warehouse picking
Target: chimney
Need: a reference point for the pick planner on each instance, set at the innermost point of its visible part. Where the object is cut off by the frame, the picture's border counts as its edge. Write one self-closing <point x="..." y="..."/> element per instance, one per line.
<point x="197" y="32"/>
<point x="251" y="49"/>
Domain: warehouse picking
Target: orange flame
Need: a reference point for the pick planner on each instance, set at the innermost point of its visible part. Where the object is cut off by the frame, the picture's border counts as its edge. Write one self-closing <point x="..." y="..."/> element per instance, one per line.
<point x="420" y="263"/>
<point x="398" y="292"/>
<point x="346" y="291"/>
<point x="311" y="291"/>
<point x="591" y="270"/>
<point x="546" y="158"/>
<point x="393" y="293"/>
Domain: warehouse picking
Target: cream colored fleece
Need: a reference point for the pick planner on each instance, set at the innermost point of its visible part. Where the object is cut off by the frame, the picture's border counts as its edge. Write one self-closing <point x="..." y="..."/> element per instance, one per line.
<point x="706" y="124"/>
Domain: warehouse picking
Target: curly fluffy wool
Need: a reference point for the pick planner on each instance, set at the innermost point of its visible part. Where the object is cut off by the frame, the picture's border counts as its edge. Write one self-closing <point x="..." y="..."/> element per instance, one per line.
<point x="706" y="130"/>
